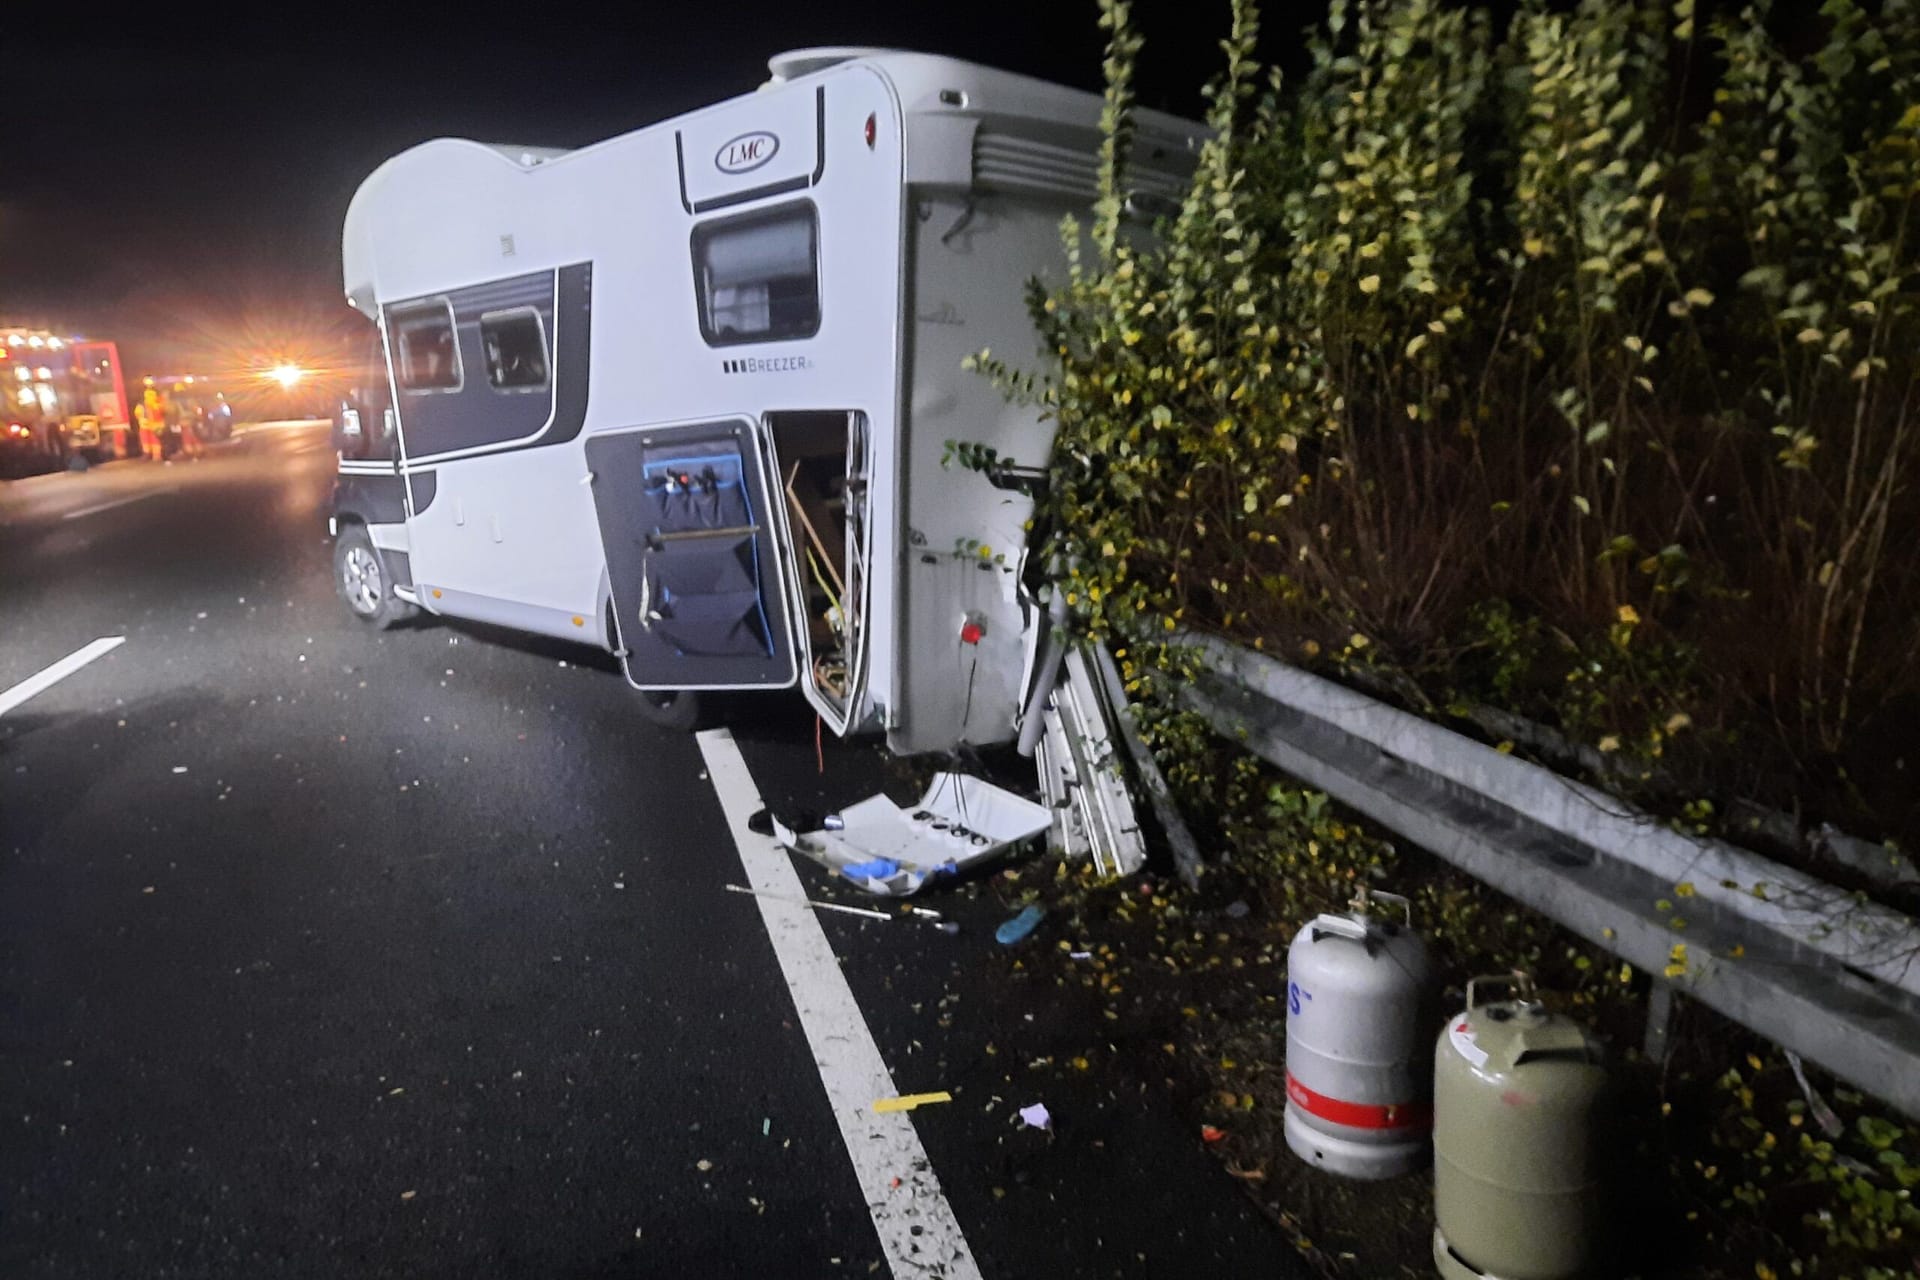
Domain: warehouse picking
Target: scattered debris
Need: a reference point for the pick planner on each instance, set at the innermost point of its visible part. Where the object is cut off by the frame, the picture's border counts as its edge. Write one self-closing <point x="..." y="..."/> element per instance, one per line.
<point x="1091" y="812"/>
<point x="809" y="902"/>
<point x="179" y="768"/>
<point x="1210" y="1135"/>
<point x="909" y="1102"/>
<point x="1037" y="1117"/>
<point x="1238" y="909"/>
<point x="960" y="822"/>
<point x="1020" y="926"/>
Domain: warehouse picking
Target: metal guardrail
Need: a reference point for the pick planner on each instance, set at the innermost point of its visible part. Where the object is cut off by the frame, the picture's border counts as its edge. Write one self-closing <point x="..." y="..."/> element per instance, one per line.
<point x="1810" y="966"/>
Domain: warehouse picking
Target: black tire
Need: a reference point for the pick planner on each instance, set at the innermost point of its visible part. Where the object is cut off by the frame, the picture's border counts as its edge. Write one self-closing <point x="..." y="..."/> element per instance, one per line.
<point x="680" y="710"/>
<point x="360" y="577"/>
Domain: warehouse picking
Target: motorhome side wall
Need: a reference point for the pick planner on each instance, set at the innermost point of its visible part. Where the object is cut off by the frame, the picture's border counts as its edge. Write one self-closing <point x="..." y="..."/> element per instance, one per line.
<point x="994" y="165"/>
<point x="969" y="253"/>
<point x="505" y="530"/>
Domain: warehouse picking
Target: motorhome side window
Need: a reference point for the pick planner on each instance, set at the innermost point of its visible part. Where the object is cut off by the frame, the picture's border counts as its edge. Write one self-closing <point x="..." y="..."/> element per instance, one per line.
<point x="516" y="350"/>
<point x="429" y="358"/>
<point x="758" y="276"/>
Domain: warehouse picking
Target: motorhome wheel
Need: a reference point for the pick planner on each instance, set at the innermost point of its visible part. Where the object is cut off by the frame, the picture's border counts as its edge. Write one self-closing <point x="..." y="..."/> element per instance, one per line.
<point x="678" y="709"/>
<point x="362" y="580"/>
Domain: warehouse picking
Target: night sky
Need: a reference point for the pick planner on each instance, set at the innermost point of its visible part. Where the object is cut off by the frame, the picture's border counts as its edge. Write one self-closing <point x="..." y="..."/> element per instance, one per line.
<point x="180" y="187"/>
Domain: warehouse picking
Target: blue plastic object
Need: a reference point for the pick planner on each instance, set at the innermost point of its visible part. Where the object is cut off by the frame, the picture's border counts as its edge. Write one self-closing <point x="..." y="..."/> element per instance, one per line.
<point x="1019" y="927"/>
<point x="878" y="869"/>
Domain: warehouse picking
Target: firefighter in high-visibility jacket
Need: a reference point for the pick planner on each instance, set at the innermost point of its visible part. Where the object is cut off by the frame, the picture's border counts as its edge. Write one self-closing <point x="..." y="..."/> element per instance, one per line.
<point x="152" y="413"/>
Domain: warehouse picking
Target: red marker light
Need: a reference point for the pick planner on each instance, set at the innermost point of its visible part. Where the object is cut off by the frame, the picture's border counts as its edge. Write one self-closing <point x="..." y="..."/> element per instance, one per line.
<point x="870" y="132"/>
<point x="971" y="631"/>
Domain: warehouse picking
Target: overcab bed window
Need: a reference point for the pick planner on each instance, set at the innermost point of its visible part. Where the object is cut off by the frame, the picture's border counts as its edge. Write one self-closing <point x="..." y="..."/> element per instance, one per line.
<point x="428" y="356"/>
<point x="758" y="276"/>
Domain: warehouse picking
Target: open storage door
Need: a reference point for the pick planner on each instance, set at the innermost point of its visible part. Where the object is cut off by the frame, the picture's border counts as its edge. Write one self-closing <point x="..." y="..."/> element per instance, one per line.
<point x="695" y="556"/>
<point x="822" y="461"/>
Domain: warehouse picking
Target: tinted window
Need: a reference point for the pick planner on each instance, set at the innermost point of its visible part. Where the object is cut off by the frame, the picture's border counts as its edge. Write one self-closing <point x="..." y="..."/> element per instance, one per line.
<point x="758" y="276"/>
<point x="516" y="350"/>
<point x="429" y="359"/>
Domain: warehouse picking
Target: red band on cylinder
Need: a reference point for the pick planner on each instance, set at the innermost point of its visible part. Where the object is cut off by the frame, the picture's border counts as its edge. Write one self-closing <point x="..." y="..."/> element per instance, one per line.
<point x="1358" y="1115"/>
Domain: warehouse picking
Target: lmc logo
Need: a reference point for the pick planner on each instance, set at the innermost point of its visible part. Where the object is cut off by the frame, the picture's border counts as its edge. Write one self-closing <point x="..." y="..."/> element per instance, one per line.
<point x="746" y="153"/>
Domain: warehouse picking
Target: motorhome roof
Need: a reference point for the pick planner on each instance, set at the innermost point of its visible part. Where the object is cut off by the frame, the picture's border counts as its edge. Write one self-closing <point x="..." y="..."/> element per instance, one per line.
<point x="928" y="86"/>
<point x="795" y="63"/>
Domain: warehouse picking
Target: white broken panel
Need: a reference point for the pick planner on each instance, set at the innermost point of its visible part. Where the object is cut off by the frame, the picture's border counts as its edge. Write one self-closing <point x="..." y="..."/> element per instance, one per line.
<point x="960" y="822"/>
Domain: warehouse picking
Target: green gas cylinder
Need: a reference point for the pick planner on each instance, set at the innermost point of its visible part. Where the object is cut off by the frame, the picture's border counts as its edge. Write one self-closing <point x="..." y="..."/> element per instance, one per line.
<point x="1517" y="1177"/>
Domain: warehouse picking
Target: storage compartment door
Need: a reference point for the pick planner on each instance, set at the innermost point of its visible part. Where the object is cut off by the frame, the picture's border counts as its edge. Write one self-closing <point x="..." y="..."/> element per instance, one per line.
<point x="696" y="563"/>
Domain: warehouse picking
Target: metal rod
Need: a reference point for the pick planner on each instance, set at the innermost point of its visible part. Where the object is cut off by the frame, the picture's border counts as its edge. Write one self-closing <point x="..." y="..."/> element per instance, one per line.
<point x="1173" y="825"/>
<point x="809" y="902"/>
<point x="683" y="535"/>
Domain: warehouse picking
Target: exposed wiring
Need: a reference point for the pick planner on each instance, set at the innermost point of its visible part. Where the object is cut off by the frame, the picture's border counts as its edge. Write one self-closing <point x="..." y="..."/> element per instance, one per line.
<point x="966" y="712"/>
<point x="813" y="565"/>
<point x="830" y="676"/>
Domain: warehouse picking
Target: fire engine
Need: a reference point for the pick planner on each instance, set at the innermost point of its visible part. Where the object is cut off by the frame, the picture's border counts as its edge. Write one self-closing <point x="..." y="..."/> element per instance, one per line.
<point x="59" y="396"/>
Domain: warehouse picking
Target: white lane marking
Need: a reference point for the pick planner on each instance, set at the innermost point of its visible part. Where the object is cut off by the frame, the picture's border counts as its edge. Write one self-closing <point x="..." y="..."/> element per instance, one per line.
<point x="109" y="505"/>
<point x="903" y="1195"/>
<point x="59" y="671"/>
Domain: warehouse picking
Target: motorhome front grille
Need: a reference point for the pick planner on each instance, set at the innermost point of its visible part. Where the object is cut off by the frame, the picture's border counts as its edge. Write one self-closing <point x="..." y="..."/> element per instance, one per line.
<point x="1006" y="162"/>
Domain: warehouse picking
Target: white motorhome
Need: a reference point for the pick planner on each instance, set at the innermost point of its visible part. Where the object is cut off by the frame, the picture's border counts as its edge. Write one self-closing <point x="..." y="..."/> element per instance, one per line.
<point x="685" y="394"/>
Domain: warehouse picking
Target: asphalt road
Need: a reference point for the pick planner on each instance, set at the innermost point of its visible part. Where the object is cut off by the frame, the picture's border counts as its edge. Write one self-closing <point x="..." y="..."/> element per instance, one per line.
<point x="332" y="952"/>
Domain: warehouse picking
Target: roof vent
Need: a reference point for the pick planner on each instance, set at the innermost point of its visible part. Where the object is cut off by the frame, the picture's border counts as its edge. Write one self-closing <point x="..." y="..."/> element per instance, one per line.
<point x="795" y="63"/>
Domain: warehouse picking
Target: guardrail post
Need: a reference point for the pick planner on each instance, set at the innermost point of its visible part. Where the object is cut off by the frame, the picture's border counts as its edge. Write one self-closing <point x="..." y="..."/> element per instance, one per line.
<point x="1659" y="1041"/>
